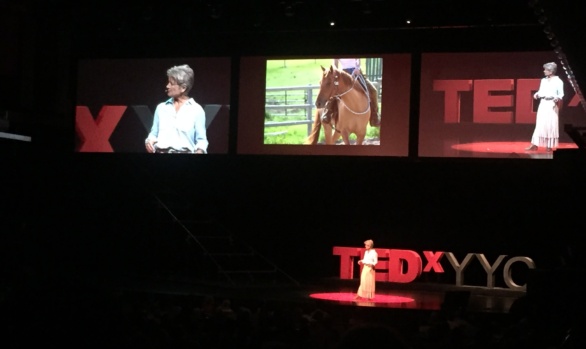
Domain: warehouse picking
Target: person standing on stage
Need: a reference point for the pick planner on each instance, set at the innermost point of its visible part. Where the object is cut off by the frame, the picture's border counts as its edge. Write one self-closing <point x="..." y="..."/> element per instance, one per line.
<point x="550" y="94"/>
<point x="179" y="124"/>
<point x="368" y="273"/>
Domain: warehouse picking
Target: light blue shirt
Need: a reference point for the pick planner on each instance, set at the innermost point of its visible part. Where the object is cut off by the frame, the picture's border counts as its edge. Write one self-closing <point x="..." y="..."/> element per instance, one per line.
<point x="179" y="129"/>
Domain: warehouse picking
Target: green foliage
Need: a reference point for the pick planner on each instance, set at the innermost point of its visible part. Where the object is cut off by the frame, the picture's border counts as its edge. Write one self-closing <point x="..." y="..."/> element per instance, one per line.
<point x="373" y="132"/>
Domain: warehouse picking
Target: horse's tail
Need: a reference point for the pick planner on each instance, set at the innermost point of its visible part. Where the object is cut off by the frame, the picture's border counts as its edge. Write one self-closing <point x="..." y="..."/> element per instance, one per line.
<point x="315" y="128"/>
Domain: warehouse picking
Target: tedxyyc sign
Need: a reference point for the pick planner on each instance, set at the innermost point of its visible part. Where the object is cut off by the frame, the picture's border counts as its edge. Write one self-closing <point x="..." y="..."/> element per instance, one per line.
<point x="405" y="266"/>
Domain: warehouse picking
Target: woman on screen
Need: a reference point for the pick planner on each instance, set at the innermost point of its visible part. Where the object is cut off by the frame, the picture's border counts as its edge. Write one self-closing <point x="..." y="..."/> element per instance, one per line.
<point x="550" y="94"/>
<point x="368" y="274"/>
<point x="179" y="122"/>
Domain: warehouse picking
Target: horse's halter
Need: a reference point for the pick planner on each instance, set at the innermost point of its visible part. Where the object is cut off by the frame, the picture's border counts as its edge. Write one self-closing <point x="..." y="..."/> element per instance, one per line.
<point x="339" y="96"/>
<point x="337" y="84"/>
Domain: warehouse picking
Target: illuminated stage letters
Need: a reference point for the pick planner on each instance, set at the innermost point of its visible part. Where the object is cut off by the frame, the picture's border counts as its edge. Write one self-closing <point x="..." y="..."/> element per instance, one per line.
<point x="405" y="266"/>
<point x="494" y="100"/>
<point x="95" y="135"/>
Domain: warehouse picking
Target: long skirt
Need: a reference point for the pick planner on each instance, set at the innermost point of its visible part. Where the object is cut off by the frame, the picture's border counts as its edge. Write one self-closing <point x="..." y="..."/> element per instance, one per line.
<point x="547" y="131"/>
<point x="367" y="282"/>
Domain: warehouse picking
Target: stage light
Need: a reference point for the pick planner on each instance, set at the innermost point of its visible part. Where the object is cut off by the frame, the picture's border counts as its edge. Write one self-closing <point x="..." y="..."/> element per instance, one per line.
<point x="289" y="11"/>
<point x="214" y="12"/>
<point x="538" y="10"/>
<point x="366" y="9"/>
<point x="533" y="3"/>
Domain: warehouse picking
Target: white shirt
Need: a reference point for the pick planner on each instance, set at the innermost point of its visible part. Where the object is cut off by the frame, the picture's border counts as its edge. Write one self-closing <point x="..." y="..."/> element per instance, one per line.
<point x="370" y="257"/>
<point x="551" y="88"/>
<point x="348" y="63"/>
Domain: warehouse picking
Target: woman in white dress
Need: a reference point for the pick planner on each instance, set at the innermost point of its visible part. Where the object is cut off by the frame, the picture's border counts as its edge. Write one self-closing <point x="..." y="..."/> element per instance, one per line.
<point x="368" y="274"/>
<point x="550" y="93"/>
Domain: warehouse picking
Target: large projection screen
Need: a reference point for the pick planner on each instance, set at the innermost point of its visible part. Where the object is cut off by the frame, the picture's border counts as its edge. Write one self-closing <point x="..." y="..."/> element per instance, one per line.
<point x="116" y="99"/>
<point x="267" y="99"/>
<point x="482" y="105"/>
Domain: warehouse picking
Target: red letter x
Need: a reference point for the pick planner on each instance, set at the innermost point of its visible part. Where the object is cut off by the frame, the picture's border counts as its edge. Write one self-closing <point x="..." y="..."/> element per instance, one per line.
<point x="95" y="136"/>
<point x="433" y="259"/>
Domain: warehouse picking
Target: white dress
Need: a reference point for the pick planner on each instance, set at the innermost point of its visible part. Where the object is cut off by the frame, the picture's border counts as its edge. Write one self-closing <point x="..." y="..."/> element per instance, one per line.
<point x="368" y="275"/>
<point x="547" y="132"/>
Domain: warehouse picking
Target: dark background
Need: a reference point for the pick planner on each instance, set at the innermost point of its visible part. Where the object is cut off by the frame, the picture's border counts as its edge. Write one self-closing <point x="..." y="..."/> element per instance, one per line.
<point x="66" y="216"/>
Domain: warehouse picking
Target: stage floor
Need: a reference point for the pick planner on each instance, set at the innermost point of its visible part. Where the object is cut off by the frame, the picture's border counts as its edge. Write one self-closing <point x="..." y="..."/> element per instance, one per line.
<point x="341" y="293"/>
<point x="508" y="150"/>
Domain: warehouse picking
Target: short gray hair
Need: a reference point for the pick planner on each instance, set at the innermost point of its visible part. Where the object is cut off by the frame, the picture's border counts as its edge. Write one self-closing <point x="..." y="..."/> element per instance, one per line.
<point x="183" y="75"/>
<point x="551" y="66"/>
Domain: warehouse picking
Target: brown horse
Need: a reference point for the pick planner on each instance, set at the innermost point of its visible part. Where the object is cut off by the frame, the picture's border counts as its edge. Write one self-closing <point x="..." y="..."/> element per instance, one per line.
<point x="353" y="105"/>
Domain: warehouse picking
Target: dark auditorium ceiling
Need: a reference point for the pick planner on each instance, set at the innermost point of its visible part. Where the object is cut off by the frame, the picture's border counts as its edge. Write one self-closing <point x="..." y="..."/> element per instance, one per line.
<point x="107" y="17"/>
<point x="157" y="19"/>
<point x="156" y="26"/>
<point x="297" y="15"/>
<point x="262" y="23"/>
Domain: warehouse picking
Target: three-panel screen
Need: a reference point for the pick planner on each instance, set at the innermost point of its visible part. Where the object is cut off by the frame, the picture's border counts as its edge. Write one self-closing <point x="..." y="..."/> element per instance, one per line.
<point x="461" y="104"/>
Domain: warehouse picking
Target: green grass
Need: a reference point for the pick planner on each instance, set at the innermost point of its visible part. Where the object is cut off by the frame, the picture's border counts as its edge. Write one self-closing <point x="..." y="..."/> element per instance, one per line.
<point x="286" y="134"/>
<point x="298" y="134"/>
<point x="294" y="72"/>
